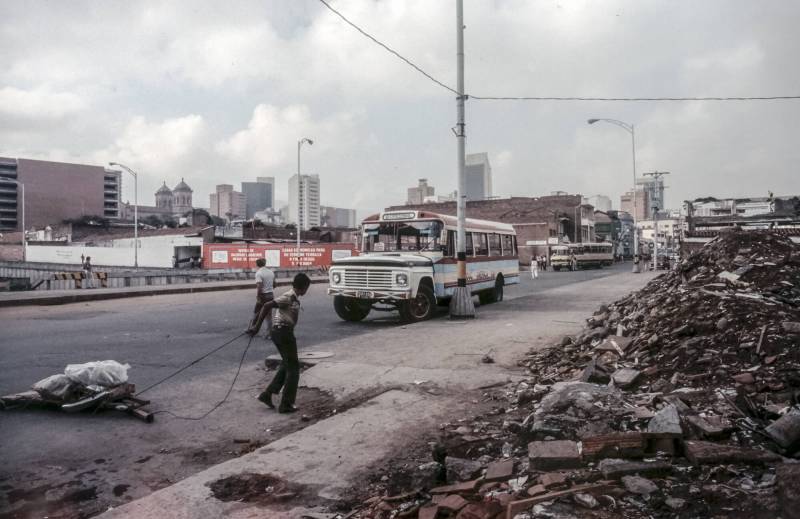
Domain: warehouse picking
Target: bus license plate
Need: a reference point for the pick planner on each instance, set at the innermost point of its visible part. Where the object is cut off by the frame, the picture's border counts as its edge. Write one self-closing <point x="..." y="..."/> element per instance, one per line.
<point x="363" y="294"/>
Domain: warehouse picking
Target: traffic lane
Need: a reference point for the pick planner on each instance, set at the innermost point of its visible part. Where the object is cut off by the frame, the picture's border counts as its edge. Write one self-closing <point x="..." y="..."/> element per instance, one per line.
<point x="159" y="334"/>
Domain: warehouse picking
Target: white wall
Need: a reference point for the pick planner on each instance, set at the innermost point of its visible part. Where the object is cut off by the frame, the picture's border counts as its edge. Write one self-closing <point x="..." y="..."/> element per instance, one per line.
<point x="154" y="251"/>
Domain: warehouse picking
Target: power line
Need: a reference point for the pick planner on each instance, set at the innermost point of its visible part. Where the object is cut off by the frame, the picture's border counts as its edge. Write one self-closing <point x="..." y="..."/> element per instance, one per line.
<point x="535" y="98"/>
<point x="389" y="49"/>
<point x="544" y="98"/>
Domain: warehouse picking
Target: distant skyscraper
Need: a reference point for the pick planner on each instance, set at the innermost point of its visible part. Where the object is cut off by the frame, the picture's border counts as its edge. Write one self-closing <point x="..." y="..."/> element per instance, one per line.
<point x="259" y="195"/>
<point x="304" y="201"/>
<point x="654" y="190"/>
<point x="600" y="202"/>
<point x="227" y="203"/>
<point x="417" y="195"/>
<point x="642" y="207"/>
<point x="338" y="217"/>
<point x="478" y="175"/>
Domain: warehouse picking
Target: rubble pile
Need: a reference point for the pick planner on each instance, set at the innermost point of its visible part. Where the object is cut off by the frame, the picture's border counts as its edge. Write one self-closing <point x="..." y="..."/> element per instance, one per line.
<point x="680" y="400"/>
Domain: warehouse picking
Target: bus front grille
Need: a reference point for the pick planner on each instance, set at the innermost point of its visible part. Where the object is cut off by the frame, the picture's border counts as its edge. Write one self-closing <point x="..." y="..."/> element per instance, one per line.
<point x="368" y="279"/>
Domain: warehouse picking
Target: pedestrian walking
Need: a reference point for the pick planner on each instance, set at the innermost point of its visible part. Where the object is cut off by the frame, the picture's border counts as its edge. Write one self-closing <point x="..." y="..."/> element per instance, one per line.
<point x="265" y="282"/>
<point x="534" y="268"/>
<point x="286" y="313"/>
<point x="87" y="272"/>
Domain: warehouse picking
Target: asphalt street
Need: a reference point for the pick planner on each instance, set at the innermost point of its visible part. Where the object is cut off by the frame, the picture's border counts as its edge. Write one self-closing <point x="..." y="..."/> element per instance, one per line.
<point x="53" y="452"/>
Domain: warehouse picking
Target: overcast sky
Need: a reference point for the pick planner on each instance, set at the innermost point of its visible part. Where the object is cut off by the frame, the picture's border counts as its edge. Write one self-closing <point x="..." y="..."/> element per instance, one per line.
<point x="220" y="92"/>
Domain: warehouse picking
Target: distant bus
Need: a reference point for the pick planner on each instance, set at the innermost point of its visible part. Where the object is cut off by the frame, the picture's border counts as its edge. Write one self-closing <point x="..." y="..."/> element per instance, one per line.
<point x="582" y="255"/>
<point x="408" y="262"/>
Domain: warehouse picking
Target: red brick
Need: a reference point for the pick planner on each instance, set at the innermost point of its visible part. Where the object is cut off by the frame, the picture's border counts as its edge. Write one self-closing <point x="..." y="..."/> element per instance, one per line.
<point x="458" y="488"/>
<point x="700" y="453"/>
<point x="453" y="503"/>
<point x="499" y="470"/>
<point x="428" y="512"/>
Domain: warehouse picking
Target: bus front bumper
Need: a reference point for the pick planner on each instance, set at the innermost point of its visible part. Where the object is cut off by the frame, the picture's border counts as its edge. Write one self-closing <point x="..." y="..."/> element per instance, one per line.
<point x="384" y="295"/>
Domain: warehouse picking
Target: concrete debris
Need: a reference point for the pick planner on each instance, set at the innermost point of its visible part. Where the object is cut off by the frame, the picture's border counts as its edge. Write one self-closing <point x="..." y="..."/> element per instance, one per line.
<point x="639" y="485"/>
<point x="677" y="400"/>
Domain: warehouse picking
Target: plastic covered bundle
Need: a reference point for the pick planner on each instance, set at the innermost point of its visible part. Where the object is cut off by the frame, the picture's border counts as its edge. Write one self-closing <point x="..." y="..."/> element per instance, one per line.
<point x="107" y="373"/>
<point x="55" y="387"/>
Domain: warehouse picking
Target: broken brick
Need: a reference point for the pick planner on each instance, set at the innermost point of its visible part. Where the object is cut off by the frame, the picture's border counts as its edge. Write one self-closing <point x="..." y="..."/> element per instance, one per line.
<point x="428" y="512"/>
<point x="555" y="454"/>
<point x="499" y="470"/>
<point x="617" y="445"/>
<point x="702" y="453"/>
<point x="707" y="429"/>
<point x="536" y="490"/>
<point x="553" y="479"/>
<point x="625" y="377"/>
<point x="484" y="510"/>
<point x="786" y="431"/>
<point x="453" y="503"/>
<point x="666" y="423"/>
<point x="458" y="488"/>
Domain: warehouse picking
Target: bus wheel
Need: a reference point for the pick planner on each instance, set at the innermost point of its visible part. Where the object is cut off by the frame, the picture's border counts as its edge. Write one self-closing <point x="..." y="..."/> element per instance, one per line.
<point x="350" y="309"/>
<point x="421" y="307"/>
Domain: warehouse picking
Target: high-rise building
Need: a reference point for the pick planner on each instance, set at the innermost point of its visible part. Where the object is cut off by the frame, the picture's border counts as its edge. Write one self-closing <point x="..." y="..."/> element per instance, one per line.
<point x="260" y="195"/>
<point x="478" y="176"/>
<point x="417" y="195"/>
<point x="653" y="188"/>
<point x="600" y="202"/>
<point x="338" y="217"/>
<point x="304" y="201"/>
<point x="642" y="205"/>
<point x="227" y="203"/>
<point x="56" y="191"/>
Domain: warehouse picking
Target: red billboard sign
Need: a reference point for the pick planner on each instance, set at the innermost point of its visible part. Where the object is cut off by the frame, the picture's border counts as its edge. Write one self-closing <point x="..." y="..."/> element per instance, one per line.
<point x="224" y="255"/>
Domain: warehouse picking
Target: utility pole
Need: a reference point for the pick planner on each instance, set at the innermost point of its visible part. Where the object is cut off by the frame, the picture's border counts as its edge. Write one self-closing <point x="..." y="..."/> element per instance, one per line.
<point x="657" y="176"/>
<point x="461" y="305"/>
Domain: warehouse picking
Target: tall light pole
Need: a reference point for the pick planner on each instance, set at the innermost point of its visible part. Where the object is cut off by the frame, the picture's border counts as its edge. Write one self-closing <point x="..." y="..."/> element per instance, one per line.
<point x="300" y="143"/>
<point x="24" y="240"/>
<point x="135" y="211"/>
<point x="630" y="129"/>
<point x="461" y="305"/>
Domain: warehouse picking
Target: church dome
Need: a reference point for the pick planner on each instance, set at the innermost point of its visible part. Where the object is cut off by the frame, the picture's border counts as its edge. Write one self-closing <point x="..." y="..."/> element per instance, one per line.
<point x="182" y="186"/>
<point x="164" y="190"/>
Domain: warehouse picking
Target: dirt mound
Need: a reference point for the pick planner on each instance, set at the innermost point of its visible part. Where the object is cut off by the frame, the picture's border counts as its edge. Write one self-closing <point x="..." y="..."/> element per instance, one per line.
<point x="254" y="488"/>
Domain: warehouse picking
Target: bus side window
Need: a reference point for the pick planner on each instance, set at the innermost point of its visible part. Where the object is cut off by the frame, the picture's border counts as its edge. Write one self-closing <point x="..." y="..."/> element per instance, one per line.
<point x="470" y="249"/>
<point x="506" y="241"/>
<point x="451" y="244"/>
<point x="494" y="245"/>
<point x="481" y="247"/>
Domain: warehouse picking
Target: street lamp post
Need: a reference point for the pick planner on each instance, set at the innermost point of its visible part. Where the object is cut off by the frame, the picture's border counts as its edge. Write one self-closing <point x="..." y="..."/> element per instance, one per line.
<point x="630" y="129"/>
<point x="135" y="211"/>
<point x="300" y="143"/>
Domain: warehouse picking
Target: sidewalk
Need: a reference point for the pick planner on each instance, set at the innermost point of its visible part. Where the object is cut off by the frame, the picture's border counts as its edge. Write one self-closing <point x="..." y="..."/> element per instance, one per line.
<point x="62" y="297"/>
<point x="424" y="374"/>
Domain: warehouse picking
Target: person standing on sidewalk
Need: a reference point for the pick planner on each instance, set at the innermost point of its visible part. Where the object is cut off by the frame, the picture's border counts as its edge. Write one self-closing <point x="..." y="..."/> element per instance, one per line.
<point x="265" y="281"/>
<point x="287" y="312"/>
<point x="87" y="272"/>
<point x="535" y="267"/>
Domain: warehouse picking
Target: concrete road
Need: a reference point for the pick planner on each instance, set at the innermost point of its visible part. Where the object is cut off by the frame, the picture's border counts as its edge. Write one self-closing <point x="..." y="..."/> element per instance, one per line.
<point x="111" y="458"/>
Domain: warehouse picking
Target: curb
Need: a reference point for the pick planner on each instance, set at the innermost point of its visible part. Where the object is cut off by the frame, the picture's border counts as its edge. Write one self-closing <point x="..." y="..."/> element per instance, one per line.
<point x="100" y="296"/>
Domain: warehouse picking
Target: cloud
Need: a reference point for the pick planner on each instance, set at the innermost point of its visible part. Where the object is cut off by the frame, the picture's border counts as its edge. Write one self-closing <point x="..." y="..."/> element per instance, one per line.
<point x="38" y="105"/>
<point x="270" y="139"/>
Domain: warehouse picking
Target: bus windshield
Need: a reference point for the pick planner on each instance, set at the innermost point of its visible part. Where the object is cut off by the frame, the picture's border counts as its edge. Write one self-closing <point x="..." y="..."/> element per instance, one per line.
<point x="402" y="236"/>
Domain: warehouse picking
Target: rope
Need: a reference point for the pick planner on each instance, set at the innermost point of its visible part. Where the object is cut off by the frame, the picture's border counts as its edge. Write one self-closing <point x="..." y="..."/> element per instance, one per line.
<point x="148" y="388"/>
<point x="224" y="399"/>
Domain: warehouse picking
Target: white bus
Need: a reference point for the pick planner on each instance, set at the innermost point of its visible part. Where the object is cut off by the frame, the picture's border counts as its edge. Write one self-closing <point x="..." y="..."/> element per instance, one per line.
<point x="582" y="255"/>
<point x="408" y="262"/>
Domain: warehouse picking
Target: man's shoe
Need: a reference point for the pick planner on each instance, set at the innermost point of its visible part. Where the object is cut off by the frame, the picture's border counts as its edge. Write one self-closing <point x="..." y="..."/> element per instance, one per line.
<point x="288" y="409"/>
<point x="266" y="398"/>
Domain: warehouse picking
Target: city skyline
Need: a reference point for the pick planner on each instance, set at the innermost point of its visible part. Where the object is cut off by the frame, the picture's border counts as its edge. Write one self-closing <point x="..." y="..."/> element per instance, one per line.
<point x="65" y="97"/>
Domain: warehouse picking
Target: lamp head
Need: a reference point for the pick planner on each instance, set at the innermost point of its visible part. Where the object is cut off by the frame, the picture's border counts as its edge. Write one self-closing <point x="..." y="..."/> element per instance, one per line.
<point x="592" y="121"/>
<point x="113" y="164"/>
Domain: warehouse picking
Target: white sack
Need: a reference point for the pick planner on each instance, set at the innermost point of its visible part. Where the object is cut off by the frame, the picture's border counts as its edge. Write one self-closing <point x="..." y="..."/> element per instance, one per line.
<point x="106" y="373"/>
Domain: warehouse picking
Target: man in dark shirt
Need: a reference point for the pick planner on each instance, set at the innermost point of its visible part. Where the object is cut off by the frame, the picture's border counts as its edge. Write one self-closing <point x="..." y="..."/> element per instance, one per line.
<point x="287" y="312"/>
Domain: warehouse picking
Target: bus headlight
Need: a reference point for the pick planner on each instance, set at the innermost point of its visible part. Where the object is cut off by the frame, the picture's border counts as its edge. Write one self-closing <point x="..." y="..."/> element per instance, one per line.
<point x="401" y="279"/>
<point x="336" y="278"/>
